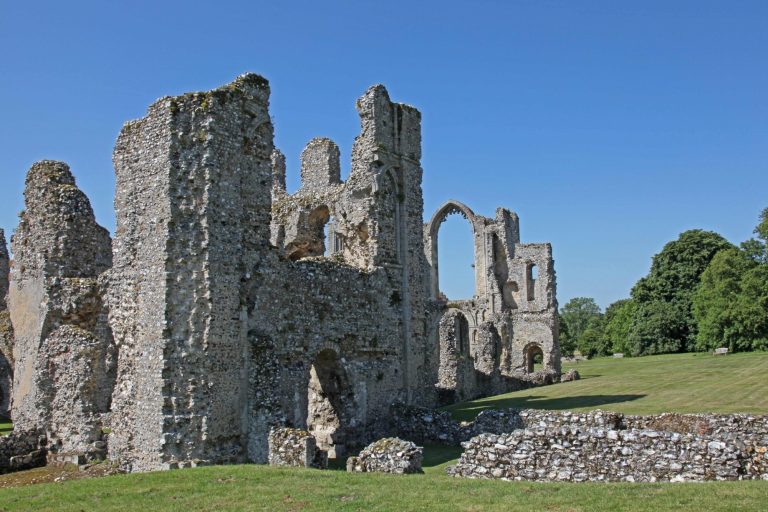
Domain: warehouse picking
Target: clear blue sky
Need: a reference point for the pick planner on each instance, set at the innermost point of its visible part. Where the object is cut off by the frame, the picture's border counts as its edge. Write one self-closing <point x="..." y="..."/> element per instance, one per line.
<point x="608" y="126"/>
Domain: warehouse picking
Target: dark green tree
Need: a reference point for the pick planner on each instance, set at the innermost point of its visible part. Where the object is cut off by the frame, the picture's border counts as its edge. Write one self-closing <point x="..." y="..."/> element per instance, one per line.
<point x="593" y="341"/>
<point x="717" y="303"/>
<point x="663" y="320"/>
<point x="574" y="320"/>
<point x="757" y="249"/>
<point x="731" y="304"/>
<point x="618" y="322"/>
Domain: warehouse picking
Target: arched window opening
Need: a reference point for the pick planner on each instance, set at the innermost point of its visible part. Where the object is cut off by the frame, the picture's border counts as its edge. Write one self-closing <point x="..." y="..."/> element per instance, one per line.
<point x="462" y="335"/>
<point x="456" y="258"/>
<point x="534" y="358"/>
<point x="531" y="275"/>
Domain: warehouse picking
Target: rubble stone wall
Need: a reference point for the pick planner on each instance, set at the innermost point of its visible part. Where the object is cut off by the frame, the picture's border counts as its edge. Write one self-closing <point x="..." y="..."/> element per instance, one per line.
<point x="388" y="455"/>
<point x="227" y="306"/>
<point x="58" y="313"/>
<point x="295" y="448"/>
<point x="576" y="454"/>
<point x="193" y="198"/>
<point x="22" y="449"/>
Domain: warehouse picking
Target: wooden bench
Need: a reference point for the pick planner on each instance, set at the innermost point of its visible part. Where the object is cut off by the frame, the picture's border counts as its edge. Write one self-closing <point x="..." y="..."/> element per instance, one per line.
<point x="722" y="351"/>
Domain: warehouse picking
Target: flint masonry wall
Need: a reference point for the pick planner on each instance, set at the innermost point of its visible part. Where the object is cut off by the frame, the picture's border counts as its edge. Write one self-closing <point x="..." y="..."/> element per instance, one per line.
<point x="336" y="330"/>
<point x="580" y="454"/>
<point x="510" y="319"/>
<point x="236" y="307"/>
<point x="58" y="314"/>
<point x="192" y="203"/>
<point x="6" y="334"/>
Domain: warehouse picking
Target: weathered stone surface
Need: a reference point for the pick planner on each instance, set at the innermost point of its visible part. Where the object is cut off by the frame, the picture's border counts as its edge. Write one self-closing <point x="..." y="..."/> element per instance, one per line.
<point x="193" y="196"/>
<point x="577" y="453"/>
<point x="570" y="375"/>
<point x="22" y="450"/>
<point x="295" y="447"/>
<point x="6" y="334"/>
<point x="59" y="253"/>
<point x="388" y="455"/>
<point x="488" y="342"/>
<point x="4" y="271"/>
<point x="237" y="307"/>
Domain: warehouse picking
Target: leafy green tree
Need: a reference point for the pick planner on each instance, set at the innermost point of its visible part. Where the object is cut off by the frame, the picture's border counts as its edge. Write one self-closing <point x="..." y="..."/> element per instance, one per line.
<point x="663" y="320"/>
<point x="731" y="304"/>
<point x="618" y="322"/>
<point x="717" y="302"/>
<point x="593" y="341"/>
<point x="574" y="320"/>
<point x="757" y="249"/>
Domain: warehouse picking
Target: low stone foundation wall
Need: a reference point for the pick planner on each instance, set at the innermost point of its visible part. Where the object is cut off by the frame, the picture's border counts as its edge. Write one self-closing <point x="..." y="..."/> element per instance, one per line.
<point x="575" y="454"/>
<point x="425" y="425"/>
<point x="295" y="447"/>
<point x="744" y="427"/>
<point x="22" y="450"/>
<point x="388" y="455"/>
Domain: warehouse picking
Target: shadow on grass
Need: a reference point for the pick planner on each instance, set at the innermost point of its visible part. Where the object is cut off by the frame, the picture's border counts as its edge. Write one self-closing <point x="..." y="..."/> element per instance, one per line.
<point x="436" y="454"/>
<point x="5" y="427"/>
<point x="467" y="411"/>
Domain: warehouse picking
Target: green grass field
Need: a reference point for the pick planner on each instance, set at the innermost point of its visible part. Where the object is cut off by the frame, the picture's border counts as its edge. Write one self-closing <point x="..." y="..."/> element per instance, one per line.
<point x="5" y="427"/>
<point x="682" y="383"/>
<point x="648" y="385"/>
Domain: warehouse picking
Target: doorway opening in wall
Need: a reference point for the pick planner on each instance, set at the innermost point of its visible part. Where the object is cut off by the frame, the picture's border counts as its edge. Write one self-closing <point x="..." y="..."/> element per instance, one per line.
<point x="329" y="403"/>
<point x="534" y="358"/>
<point x="456" y="258"/>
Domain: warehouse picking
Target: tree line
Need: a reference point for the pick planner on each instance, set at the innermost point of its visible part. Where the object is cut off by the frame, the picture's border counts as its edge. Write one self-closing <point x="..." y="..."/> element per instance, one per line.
<point x="702" y="292"/>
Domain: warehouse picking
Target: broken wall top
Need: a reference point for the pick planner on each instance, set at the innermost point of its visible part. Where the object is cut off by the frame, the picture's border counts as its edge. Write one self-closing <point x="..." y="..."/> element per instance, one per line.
<point x="57" y="234"/>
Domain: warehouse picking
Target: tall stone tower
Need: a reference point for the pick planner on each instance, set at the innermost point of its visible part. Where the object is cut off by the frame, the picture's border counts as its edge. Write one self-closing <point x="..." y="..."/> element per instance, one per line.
<point x="194" y="180"/>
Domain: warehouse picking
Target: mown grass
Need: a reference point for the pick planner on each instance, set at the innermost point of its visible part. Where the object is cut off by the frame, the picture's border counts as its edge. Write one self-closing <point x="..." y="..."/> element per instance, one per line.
<point x="267" y="488"/>
<point x="648" y="385"/>
<point x="681" y="383"/>
<point x="5" y="427"/>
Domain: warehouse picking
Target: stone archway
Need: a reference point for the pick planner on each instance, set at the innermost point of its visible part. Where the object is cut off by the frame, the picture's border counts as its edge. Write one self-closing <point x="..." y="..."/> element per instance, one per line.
<point x="532" y="352"/>
<point x="328" y="404"/>
<point x="433" y="227"/>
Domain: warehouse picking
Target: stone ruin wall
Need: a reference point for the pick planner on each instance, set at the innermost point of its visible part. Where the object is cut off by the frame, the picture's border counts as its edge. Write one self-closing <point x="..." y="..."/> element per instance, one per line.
<point x="63" y="349"/>
<point x="487" y="343"/>
<point x="226" y="306"/>
<point x="604" y="446"/>
<point x="6" y="334"/>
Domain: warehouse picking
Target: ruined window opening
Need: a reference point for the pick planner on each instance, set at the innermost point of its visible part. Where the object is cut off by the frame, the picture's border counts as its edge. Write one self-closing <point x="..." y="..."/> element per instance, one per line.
<point x="334" y="242"/>
<point x="312" y="241"/>
<point x="532" y="275"/>
<point x="534" y="358"/>
<point x="511" y="293"/>
<point x="328" y="403"/>
<point x="456" y="257"/>
<point x="462" y="334"/>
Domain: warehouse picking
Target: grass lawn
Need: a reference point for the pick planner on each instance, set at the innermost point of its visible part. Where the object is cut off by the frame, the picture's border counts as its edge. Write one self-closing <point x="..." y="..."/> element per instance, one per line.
<point x="5" y="427"/>
<point x="680" y="383"/>
<point x="267" y="488"/>
<point x="648" y="385"/>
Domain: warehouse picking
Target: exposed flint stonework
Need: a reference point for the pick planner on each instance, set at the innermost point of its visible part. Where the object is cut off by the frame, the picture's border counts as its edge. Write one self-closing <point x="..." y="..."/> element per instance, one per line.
<point x="388" y="455"/>
<point x="63" y="350"/>
<point x="237" y="307"/>
<point x="193" y="196"/>
<point x="489" y="342"/>
<point x="296" y="448"/>
<point x="6" y="334"/>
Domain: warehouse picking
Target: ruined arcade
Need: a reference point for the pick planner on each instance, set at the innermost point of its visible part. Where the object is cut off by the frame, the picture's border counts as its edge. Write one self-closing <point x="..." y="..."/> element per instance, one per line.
<point x="226" y="306"/>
